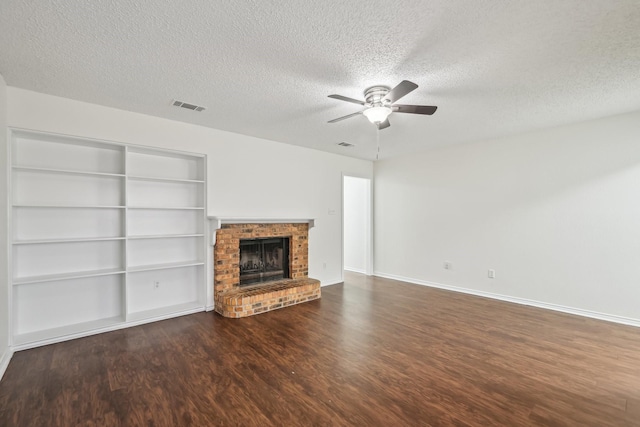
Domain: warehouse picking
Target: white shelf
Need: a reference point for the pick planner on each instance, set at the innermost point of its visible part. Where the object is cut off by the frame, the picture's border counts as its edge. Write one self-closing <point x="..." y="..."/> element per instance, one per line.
<point x="65" y="171"/>
<point x="183" y="208"/>
<point x="185" y="308"/>
<point x="66" y="276"/>
<point x="66" y="206"/>
<point x="158" y="179"/>
<point x="94" y="225"/>
<point x="44" y="241"/>
<point x="164" y="236"/>
<point x="164" y="266"/>
<point x="62" y="331"/>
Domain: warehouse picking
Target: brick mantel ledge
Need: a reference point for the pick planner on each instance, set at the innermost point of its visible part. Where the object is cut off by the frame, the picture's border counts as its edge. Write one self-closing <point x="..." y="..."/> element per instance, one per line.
<point x="217" y="221"/>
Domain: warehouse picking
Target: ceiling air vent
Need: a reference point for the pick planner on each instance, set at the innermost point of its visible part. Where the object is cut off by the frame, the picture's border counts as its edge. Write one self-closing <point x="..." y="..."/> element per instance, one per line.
<point x="188" y="106"/>
<point x="345" y="144"/>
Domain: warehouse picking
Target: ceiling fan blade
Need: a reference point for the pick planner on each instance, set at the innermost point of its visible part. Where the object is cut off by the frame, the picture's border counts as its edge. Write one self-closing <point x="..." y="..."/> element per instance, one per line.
<point x="345" y="117"/>
<point x="403" y="88"/>
<point x="414" y="109"/>
<point x="384" y="125"/>
<point x="347" y="99"/>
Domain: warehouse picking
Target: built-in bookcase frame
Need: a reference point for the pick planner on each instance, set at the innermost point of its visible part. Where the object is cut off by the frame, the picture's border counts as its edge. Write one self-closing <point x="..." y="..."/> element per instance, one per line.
<point x="103" y="235"/>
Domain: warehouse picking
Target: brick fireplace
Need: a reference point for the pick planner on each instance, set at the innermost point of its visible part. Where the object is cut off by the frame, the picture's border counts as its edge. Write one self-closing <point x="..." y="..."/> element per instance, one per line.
<point x="233" y="300"/>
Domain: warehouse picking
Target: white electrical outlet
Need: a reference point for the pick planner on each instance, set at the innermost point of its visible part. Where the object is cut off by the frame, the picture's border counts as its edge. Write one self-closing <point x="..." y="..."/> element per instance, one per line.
<point x="156" y="284"/>
<point x="447" y="265"/>
<point x="324" y="265"/>
<point x="491" y="274"/>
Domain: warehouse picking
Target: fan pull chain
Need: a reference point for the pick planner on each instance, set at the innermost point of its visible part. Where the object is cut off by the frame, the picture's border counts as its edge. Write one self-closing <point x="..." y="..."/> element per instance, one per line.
<point x="378" y="144"/>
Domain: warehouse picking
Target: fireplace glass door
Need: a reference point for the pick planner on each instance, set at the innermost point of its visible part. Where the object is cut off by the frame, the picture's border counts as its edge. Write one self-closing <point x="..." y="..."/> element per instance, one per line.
<point x="263" y="260"/>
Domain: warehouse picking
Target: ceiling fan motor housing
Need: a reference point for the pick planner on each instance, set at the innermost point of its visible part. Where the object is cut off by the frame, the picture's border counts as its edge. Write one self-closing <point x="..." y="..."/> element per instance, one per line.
<point x="374" y="96"/>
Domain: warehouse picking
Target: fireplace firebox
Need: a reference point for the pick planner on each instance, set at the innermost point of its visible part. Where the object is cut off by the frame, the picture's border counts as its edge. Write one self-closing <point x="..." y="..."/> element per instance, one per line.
<point x="263" y="260"/>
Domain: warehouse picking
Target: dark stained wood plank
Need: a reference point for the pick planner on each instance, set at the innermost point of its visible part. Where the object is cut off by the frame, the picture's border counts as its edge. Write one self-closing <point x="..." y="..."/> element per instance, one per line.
<point x="370" y="352"/>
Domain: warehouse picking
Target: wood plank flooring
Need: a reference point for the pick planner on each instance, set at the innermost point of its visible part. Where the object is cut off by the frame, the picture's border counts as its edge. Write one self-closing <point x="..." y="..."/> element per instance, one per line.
<point x="371" y="352"/>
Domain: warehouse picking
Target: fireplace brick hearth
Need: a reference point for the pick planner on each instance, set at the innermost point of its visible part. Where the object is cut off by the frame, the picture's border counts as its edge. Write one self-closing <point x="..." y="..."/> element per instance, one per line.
<point x="231" y="300"/>
<point x="252" y="300"/>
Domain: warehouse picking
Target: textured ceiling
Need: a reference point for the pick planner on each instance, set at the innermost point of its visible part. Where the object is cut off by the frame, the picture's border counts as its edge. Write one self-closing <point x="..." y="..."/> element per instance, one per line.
<point x="265" y="68"/>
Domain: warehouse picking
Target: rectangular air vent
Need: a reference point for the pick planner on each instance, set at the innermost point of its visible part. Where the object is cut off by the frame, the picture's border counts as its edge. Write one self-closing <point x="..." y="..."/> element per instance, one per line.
<point x="188" y="106"/>
<point x="345" y="144"/>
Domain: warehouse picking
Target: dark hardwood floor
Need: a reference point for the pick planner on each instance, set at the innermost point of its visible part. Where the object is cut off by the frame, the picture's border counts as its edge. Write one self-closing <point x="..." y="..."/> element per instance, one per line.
<point x="371" y="352"/>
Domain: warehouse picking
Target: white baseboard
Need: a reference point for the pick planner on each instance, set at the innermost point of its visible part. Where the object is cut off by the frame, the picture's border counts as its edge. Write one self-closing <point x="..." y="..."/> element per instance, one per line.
<point x="523" y="301"/>
<point x="322" y="285"/>
<point x="4" y="361"/>
<point x="356" y="270"/>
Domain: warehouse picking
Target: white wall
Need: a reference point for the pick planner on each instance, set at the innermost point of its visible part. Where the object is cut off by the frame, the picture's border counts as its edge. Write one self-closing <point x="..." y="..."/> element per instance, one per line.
<point x="304" y="183"/>
<point x="356" y="222"/>
<point x="556" y="213"/>
<point x="4" y="283"/>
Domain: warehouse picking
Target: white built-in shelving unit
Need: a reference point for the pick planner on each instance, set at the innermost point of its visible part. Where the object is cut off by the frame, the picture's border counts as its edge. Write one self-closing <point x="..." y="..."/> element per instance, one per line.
<point x="103" y="236"/>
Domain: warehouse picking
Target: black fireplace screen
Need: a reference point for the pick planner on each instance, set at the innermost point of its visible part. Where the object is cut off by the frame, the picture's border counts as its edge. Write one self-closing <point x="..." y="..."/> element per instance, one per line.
<point x="263" y="260"/>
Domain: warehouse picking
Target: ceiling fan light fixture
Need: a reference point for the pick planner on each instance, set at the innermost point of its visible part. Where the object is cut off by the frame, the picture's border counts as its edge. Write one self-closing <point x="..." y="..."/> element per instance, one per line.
<point x="377" y="114"/>
<point x="380" y="101"/>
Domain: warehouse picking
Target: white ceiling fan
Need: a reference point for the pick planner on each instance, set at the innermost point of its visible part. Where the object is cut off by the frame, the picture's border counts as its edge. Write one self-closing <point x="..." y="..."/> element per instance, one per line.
<point x="379" y="103"/>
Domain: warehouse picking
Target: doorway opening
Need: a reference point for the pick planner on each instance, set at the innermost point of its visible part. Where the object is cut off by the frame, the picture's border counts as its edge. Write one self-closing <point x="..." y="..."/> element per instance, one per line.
<point x="357" y="225"/>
